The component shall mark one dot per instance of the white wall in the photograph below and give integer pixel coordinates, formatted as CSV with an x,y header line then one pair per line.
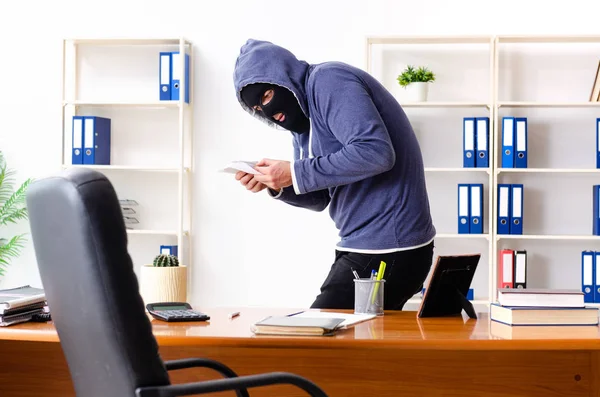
x,y
248,250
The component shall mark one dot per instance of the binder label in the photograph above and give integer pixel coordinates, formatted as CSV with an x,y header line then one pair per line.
x,y
517,201
164,71
503,212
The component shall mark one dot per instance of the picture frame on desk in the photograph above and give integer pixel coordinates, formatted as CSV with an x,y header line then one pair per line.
x,y
449,286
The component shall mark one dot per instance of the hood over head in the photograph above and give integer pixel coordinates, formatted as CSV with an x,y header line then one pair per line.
x,y
264,62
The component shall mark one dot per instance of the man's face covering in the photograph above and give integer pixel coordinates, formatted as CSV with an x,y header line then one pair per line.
x,y
277,104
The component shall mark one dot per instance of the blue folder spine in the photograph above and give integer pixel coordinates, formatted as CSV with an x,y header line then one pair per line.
x,y
598,143
483,141
96,140
469,142
588,276
476,213
176,80
504,208
165,75
77,151
508,142
521,145
596,210
516,211
464,208
169,250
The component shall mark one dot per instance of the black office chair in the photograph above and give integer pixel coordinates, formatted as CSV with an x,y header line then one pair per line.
x,y
80,244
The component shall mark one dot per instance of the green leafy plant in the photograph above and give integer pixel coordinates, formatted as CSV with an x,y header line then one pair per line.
x,y
165,260
12,210
415,75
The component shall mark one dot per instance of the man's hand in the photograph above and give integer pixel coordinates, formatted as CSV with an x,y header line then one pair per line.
x,y
276,174
249,181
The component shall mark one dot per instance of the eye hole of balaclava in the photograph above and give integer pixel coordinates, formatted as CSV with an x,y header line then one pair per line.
x,y
280,106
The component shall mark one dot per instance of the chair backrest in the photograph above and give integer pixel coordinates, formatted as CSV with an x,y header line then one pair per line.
x,y
80,243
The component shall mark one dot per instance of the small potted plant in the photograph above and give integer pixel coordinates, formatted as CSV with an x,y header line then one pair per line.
x,y
164,280
415,81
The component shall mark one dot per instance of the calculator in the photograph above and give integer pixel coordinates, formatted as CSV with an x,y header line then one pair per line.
x,y
175,311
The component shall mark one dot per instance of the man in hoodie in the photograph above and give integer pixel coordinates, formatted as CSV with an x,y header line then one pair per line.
x,y
354,152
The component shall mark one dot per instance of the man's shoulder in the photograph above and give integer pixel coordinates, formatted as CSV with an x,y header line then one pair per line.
x,y
333,70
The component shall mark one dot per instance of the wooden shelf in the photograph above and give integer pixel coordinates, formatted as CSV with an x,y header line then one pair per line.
x,y
463,236
446,104
564,237
535,104
129,41
458,169
548,170
126,168
137,104
429,40
553,39
155,232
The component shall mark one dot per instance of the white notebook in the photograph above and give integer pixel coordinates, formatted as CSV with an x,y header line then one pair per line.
x,y
245,166
349,318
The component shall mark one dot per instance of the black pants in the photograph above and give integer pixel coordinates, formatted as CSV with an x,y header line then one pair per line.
x,y
405,274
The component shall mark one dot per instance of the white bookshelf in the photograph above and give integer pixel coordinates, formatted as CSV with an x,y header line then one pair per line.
x,y
151,140
528,85
454,109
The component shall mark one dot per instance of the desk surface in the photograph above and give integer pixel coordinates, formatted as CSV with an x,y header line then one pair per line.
x,y
394,329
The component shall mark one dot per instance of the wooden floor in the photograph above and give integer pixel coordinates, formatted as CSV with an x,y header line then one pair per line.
x,y
394,355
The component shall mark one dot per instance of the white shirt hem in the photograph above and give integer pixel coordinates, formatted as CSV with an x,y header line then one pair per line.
x,y
381,251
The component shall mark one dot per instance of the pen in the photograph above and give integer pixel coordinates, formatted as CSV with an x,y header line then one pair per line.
x,y
233,315
379,277
355,274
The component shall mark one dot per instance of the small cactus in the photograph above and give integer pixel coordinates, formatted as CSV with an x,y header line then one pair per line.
x,y
165,260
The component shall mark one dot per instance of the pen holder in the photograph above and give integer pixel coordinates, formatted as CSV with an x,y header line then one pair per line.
x,y
368,296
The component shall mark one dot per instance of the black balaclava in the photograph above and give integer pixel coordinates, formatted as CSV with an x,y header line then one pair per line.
x,y
283,100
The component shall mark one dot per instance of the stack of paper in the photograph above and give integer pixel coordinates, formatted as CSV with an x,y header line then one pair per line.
x,y
244,166
349,319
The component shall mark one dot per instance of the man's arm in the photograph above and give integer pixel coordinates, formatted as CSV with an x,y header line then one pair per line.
x,y
315,201
351,115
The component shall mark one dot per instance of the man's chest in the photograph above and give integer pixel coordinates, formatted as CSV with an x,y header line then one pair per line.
x,y
318,142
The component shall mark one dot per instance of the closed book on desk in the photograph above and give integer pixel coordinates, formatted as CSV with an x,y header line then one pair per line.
x,y
292,325
544,315
504,331
19,317
535,297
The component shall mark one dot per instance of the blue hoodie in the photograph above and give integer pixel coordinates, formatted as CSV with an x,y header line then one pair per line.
x,y
361,157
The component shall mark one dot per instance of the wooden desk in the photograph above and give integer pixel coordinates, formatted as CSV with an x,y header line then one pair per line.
x,y
393,355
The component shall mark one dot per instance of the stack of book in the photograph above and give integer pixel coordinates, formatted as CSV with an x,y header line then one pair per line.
x,y
18,305
542,307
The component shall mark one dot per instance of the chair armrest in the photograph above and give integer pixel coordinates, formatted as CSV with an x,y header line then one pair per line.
x,y
206,363
236,383
173,365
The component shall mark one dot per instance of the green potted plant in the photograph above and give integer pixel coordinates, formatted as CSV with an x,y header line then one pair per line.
x,y
164,280
12,210
415,81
